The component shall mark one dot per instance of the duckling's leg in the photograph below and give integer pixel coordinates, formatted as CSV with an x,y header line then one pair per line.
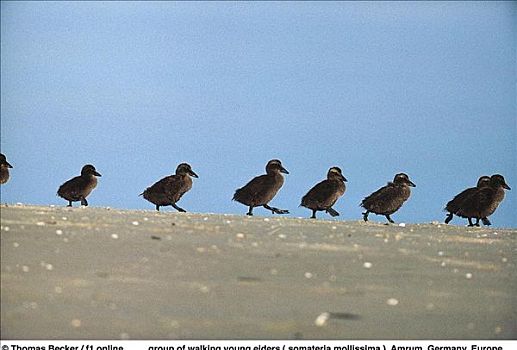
x,y
69,204
250,211
181,210
477,222
84,202
470,222
157,207
276,210
313,214
332,212
389,219
449,217
365,215
486,222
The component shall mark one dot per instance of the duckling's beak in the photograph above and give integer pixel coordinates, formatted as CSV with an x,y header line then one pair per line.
x,y
506,186
283,170
193,174
411,184
344,178
96,173
8,165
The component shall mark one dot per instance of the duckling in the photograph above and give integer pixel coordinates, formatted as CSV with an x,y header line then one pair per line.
x,y
261,189
4,169
325,194
78,188
484,201
170,189
388,199
454,205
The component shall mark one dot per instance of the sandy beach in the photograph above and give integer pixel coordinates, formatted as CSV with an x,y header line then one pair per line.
x,y
101,273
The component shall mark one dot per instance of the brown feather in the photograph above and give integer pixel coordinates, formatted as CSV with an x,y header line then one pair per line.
x,y
324,194
454,204
260,190
168,190
387,199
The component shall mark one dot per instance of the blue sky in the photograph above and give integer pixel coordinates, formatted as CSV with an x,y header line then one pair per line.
x,y
426,88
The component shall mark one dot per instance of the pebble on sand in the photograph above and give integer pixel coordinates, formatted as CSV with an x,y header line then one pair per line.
x,y
367,265
76,323
322,319
392,301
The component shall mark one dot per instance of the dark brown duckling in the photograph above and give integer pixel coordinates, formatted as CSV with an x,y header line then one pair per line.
x,y
170,189
261,189
484,201
4,169
325,194
78,188
454,205
388,199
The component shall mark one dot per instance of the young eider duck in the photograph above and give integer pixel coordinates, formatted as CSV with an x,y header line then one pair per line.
x,y
454,205
170,189
78,188
484,201
388,199
325,194
4,169
261,189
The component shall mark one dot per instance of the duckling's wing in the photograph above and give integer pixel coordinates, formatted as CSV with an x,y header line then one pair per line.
x,y
454,204
72,188
166,185
478,200
320,194
381,198
255,188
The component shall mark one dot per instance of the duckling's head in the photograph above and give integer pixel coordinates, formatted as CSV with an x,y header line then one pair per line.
x,y
185,169
497,180
4,162
275,166
335,173
89,170
483,181
403,179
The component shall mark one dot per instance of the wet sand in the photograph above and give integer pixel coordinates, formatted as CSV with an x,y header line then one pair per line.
x,y
100,273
